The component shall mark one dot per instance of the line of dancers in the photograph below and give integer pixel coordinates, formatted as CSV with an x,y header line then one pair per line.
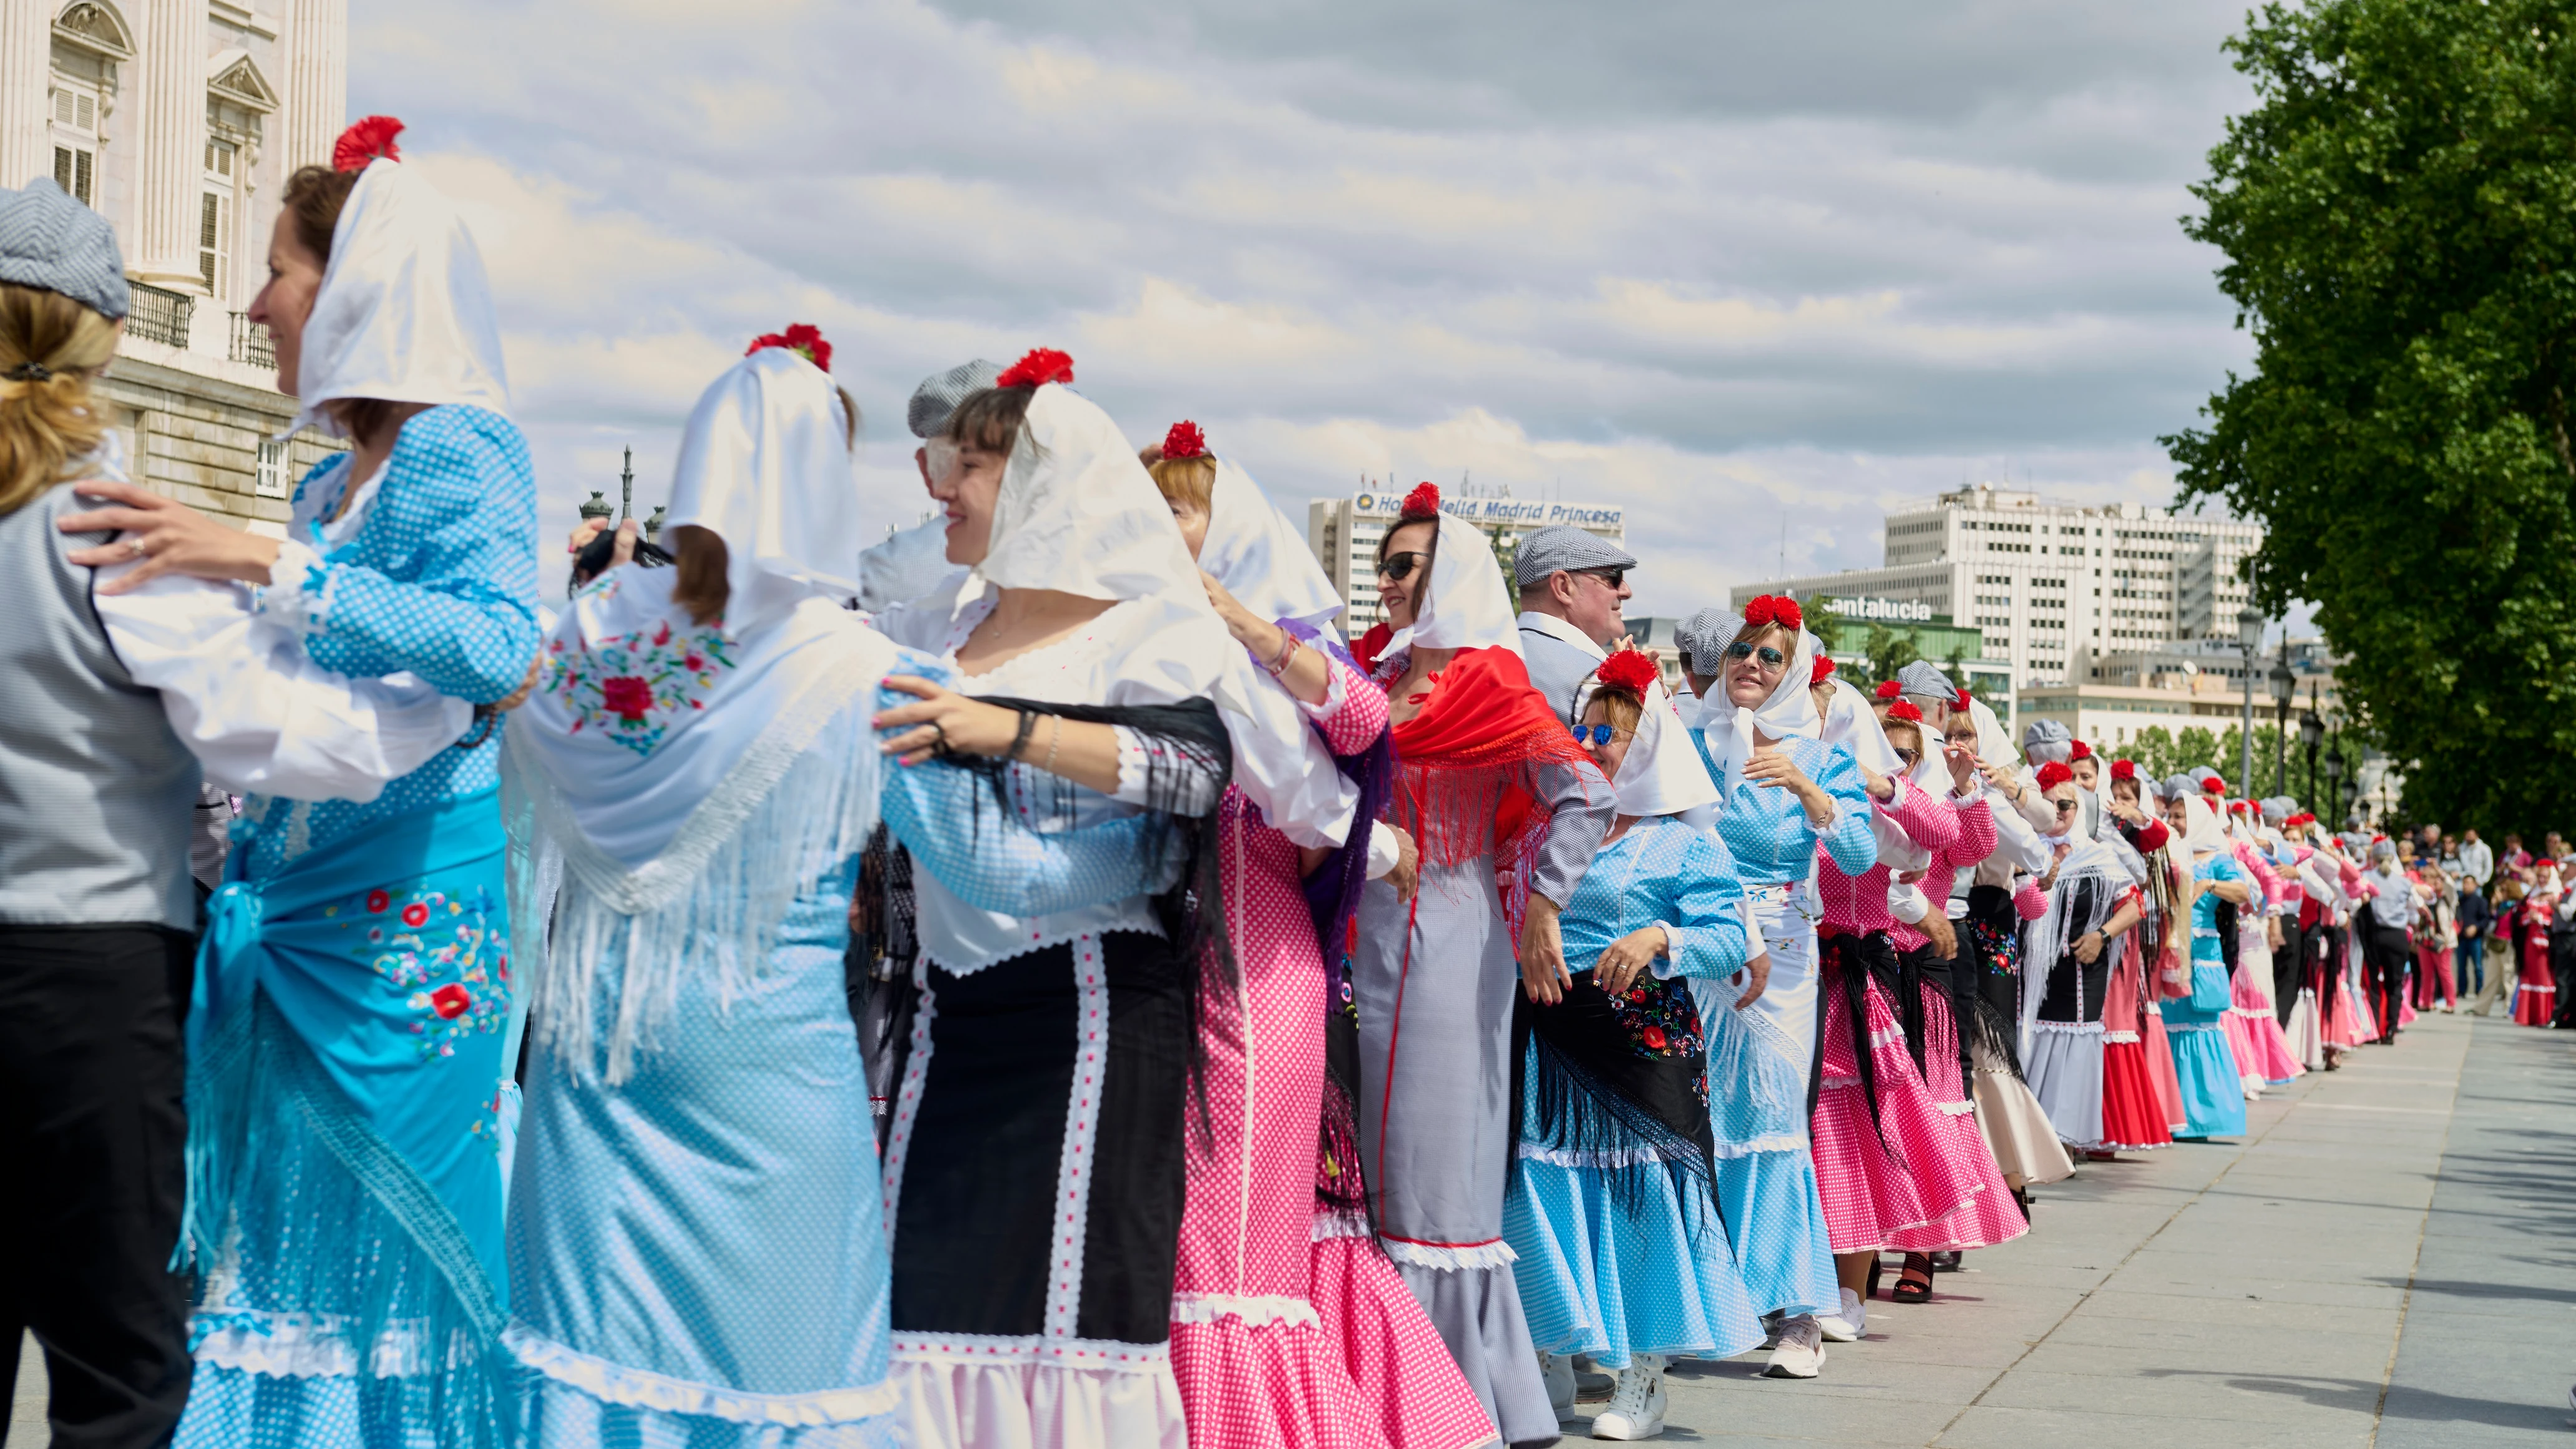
x,y
1029,983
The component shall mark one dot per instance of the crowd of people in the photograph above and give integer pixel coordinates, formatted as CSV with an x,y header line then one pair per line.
x,y
1033,981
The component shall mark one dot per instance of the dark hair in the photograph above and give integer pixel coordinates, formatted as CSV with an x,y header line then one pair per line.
x,y
990,421
315,197
1431,556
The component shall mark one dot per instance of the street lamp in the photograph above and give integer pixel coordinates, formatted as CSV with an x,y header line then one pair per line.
x,y
2311,731
2249,636
2285,687
2335,801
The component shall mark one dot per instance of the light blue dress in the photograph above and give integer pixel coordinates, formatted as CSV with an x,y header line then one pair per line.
x,y
1621,1248
2213,1095
347,1042
1766,1165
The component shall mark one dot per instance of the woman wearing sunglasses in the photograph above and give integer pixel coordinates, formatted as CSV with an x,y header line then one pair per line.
x,y
2093,900
1783,792
1487,782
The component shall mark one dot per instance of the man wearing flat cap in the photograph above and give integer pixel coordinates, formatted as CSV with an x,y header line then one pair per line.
x,y
1572,584
1931,690
911,563
1701,640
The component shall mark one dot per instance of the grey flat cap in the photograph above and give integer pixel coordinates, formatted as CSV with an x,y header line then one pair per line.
x,y
2279,808
1921,677
2046,739
1563,548
1704,636
941,392
2202,774
2181,787
51,242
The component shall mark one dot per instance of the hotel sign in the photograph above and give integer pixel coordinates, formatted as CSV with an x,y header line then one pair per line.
x,y
1522,512
1902,611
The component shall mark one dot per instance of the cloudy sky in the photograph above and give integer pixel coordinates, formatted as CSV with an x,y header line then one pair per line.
x,y
1750,270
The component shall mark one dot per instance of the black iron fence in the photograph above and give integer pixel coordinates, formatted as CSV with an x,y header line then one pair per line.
x,y
156,315
251,342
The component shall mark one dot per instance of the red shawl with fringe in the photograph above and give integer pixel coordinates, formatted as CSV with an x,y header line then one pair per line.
x,y
1458,768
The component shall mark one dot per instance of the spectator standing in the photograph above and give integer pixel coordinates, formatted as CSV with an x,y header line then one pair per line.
x,y
2477,859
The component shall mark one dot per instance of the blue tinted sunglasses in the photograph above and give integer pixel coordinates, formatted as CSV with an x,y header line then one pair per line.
x,y
1599,734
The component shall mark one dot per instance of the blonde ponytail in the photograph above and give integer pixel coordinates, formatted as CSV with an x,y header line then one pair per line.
x,y
51,349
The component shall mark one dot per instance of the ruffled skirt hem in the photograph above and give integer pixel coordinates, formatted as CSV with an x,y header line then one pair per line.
x,y
1585,1242
2025,1146
1408,1385
1017,1402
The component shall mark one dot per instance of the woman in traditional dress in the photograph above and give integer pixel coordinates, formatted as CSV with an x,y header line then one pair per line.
x,y
698,770
1886,1159
1034,1163
1783,792
2092,901
2535,992
1613,1203
2213,1095
351,1030
2134,1113
1990,1216
1491,788
2254,1006
1261,1363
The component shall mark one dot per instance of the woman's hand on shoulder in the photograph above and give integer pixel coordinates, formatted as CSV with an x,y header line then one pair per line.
x,y
965,724
168,536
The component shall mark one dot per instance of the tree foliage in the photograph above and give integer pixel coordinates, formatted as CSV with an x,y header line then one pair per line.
x,y
2398,215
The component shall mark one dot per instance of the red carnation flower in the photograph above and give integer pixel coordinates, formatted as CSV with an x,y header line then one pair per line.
x,y
802,338
1040,366
1960,700
364,142
1890,689
1652,1036
2213,786
415,915
451,1001
627,697
1822,670
1767,609
1422,502
378,901
2124,769
1629,670
1185,441
2054,774
1905,709
2079,751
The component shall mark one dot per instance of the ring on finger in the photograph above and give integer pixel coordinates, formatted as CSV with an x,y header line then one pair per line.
x,y
939,745
134,548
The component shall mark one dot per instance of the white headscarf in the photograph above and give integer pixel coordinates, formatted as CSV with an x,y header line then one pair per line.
x,y
1466,607
1662,774
404,312
1789,711
2203,832
765,465
1078,514
1260,556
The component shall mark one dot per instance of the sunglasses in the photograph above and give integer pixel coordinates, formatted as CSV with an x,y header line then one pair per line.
x,y
1741,650
1600,734
1399,566
1611,577
2065,807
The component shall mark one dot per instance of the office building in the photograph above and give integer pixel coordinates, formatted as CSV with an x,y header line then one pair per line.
x,y
1344,533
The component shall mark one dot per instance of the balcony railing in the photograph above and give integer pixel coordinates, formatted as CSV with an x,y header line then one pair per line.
x,y
156,315
251,342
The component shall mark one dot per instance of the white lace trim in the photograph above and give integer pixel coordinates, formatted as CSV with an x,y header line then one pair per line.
x,y
1081,1136
1254,1311
1776,1142
1829,1084
794,805
1449,1258
907,1097
1566,1157
317,1346
1334,1223
615,1383
2120,1038
1082,923
2068,1028
1077,1353
1956,1109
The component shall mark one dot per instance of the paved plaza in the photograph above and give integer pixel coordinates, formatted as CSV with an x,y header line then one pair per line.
x,y
2388,1259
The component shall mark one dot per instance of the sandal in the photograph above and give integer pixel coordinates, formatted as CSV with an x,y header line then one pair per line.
x,y
1914,1285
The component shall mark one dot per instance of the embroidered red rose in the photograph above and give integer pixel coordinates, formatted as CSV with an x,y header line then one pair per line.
x,y
415,915
451,1001
377,901
1652,1036
696,663
628,697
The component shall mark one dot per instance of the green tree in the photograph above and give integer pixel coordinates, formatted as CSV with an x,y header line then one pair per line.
x,y
1889,650
1507,547
2395,218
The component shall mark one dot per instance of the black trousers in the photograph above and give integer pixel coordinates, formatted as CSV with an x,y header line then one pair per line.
x,y
92,1129
2289,970
2385,957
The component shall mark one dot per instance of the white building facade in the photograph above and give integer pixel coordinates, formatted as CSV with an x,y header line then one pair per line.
x,y
179,121
1344,533
2053,585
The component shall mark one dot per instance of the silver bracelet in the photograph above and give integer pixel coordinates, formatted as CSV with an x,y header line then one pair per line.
x,y
1054,739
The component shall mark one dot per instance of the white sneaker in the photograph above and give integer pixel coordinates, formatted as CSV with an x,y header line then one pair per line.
x,y
1849,1325
1637,1402
1558,1370
1801,1351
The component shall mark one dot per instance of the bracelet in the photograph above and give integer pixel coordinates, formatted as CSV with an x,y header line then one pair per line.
x,y
1053,740
1287,655
1020,740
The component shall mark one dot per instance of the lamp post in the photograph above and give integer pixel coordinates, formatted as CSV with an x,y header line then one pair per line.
x,y
2249,635
2285,687
2311,731
2335,786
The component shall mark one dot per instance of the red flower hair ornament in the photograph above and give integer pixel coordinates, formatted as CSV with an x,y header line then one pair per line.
x,y
1185,441
1821,671
1960,700
1628,670
1905,709
1768,609
802,338
1036,368
364,142
2124,769
2213,786
1890,689
2079,751
1422,502
2054,774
